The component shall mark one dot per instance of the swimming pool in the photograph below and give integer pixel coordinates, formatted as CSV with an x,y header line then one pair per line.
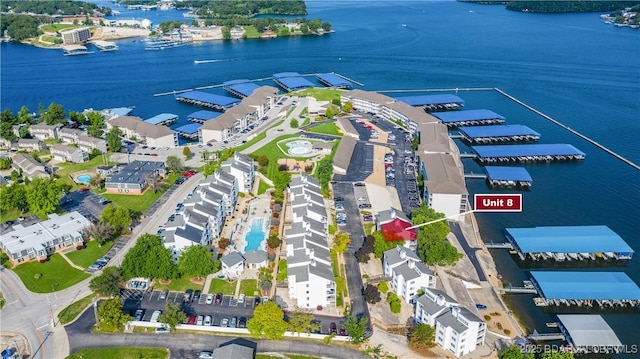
x,y
85,178
256,235
299,148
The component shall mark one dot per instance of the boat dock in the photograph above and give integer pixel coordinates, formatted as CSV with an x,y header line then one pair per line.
x,y
527,153
432,103
469,118
72,50
604,289
202,116
498,134
241,88
335,81
162,119
190,131
291,81
587,333
209,100
105,45
551,119
567,243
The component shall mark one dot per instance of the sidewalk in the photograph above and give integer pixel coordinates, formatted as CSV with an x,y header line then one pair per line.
x,y
70,262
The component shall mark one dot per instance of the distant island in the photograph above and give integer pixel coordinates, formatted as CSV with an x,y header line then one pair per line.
x,y
560,6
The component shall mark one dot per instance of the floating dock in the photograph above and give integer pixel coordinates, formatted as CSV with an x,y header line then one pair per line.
x,y
587,333
335,81
568,243
604,289
206,99
189,131
291,81
498,134
202,116
432,103
241,88
162,119
105,45
72,50
469,118
527,153
503,176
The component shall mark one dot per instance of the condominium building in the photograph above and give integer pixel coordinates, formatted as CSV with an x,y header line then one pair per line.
x,y
43,131
143,132
407,272
135,177
242,167
75,36
30,144
64,153
29,167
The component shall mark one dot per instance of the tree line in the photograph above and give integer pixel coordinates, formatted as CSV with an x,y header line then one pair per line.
x,y
58,7
231,8
547,6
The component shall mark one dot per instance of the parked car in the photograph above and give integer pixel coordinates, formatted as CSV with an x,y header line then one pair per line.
x,y
224,322
205,354
338,199
241,298
333,328
191,320
200,320
162,330
219,298
187,295
234,322
164,294
481,306
362,199
364,205
207,320
210,298
196,296
155,316
343,331
242,322
359,184
138,315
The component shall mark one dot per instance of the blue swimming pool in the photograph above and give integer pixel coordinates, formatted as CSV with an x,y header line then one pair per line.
x,y
256,235
84,178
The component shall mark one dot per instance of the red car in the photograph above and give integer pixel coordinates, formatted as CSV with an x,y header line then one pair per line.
x,y
187,174
192,320
84,189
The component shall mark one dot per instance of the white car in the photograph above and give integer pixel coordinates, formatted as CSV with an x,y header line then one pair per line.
x,y
155,316
207,320
241,299
362,199
209,298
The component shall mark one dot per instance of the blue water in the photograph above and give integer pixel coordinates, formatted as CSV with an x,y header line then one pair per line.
x,y
255,237
84,178
570,66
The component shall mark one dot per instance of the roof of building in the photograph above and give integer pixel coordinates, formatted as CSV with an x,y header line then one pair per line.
x,y
208,98
27,163
333,80
398,230
467,115
347,127
138,125
232,259
204,115
293,83
301,273
321,270
189,128
568,239
64,148
163,117
434,137
190,233
448,319
255,256
586,285
427,100
136,172
588,330
370,96
497,131
29,141
507,173
395,255
343,155
415,114
233,351
535,149
242,87
443,175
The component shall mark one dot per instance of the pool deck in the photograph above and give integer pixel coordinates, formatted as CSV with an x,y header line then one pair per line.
x,y
236,230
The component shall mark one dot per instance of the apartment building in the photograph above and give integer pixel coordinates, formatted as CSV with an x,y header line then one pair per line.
x,y
407,272
29,167
143,132
43,131
135,177
64,153
242,167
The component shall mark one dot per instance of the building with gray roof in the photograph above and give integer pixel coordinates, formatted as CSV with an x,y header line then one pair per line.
x,y
64,153
407,272
444,185
151,135
135,177
256,258
232,265
29,167
242,167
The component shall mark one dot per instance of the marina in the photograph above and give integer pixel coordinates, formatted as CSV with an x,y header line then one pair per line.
x,y
105,45
206,99
498,134
586,333
73,50
202,116
469,118
432,103
189,131
291,81
333,80
567,243
503,176
527,153
241,88
585,289
165,119
161,44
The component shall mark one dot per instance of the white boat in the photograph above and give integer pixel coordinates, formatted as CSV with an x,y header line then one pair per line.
x,y
573,256
404,25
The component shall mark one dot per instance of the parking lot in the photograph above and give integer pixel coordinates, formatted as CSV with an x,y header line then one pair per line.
x,y
86,202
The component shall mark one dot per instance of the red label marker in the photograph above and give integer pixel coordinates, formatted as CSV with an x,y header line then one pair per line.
x,y
497,203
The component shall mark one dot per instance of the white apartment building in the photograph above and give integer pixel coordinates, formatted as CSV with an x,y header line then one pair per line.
x,y
75,36
457,329
242,167
444,187
144,132
64,153
407,272
43,131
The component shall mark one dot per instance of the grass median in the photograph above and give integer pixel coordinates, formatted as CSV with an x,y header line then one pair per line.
x,y
89,255
121,353
70,313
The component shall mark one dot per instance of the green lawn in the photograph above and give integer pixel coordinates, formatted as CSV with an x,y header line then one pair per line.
x,y
121,353
320,94
222,286
57,27
56,274
263,187
67,168
251,32
249,287
306,122
86,257
178,285
251,142
68,314
140,203
326,128
274,152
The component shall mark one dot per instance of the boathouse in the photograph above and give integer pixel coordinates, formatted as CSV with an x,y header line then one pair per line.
x,y
333,80
469,118
241,88
291,81
162,119
206,99
431,103
586,332
189,131
527,153
503,176
568,243
498,133
202,116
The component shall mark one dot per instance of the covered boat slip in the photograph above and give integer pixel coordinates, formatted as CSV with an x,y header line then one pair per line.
x,y
241,88
503,176
333,80
202,116
431,103
527,153
584,331
498,133
469,118
568,242
162,119
206,99
189,131
606,289
291,81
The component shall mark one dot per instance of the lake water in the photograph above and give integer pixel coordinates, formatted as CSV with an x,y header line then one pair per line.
x,y
570,66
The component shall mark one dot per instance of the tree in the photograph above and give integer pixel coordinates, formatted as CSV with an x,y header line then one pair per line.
x,y
172,315
96,124
100,231
14,196
5,163
93,154
554,354
371,294
326,26
7,121
149,259
108,283
383,287
25,116
273,241
110,315
356,328
114,139
300,322
43,195
95,181
347,107
118,217
54,114
341,242
513,352
195,261
421,338
394,302
223,243
381,244
267,322
174,164
294,123
186,151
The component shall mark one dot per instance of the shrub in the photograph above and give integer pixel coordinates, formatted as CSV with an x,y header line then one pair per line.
x,y
37,275
365,276
275,222
383,287
507,332
283,168
499,325
495,314
487,317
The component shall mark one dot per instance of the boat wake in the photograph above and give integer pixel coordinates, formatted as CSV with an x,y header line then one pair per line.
x,y
209,61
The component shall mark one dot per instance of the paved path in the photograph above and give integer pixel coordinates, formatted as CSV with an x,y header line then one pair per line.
x,y
64,256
